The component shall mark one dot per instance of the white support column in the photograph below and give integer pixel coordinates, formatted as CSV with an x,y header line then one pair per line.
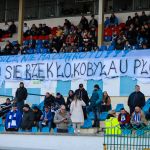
x,y
100,22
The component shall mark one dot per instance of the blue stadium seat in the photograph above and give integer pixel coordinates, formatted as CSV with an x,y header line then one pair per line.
x,y
110,48
146,108
30,51
39,42
87,124
1,122
70,130
44,50
148,101
126,132
140,132
34,129
103,116
103,48
55,130
119,107
41,105
91,116
2,128
38,50
45,130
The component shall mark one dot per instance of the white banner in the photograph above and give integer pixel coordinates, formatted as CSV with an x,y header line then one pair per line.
x,y
87,68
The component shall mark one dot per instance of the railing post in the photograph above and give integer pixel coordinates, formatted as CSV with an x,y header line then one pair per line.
x,y
105,147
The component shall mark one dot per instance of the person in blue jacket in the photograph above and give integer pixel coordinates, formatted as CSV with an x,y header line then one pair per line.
x,y
46,119
95,104
13,119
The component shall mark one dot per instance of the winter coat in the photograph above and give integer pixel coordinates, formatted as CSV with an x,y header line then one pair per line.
x,y
37,115
83,95
96,97
49,101
21,94
136,99
124,118
68,103
58,120
77,111
27,120
47,116
13,120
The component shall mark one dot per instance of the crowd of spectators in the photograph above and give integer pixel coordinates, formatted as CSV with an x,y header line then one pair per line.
x,y
59,114
134,34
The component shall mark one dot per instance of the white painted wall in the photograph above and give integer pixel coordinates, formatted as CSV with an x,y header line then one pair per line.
x,y
50,142
52,22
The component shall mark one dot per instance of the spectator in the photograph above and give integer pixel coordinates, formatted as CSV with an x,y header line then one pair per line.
x,y
21,95
143,18
45,30
27,118
46,119
84,25
8,48
67,24
83,95
5,28
112,124
129,21
124,118
106,102
12,28
138,118
119,45
37,115
136,98
107,22
13,119
49,100
95,104
59,100
25,29
113,20
5,108
62,120
93,22
69,99
76,111
15,49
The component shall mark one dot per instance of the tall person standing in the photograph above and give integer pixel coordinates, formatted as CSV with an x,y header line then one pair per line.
x,y
83,95
21,95
136,98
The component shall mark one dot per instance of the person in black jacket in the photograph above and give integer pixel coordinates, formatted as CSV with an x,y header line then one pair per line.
x,y
49,100
5,108
93,22
59,100
136,98
70,98
21,95
27,118
83,95
37,115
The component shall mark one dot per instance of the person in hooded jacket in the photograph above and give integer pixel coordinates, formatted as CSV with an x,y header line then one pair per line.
x,y
21,95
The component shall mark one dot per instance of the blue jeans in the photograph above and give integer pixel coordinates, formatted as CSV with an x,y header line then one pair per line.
x,y
47,125
20,105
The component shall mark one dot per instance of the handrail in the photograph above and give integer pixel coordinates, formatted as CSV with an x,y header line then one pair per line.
x,y
35,94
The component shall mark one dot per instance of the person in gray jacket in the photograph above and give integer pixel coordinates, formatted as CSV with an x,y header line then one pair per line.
x,y
62,120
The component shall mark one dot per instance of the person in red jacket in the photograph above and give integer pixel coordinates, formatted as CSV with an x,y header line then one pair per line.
x,y
124,118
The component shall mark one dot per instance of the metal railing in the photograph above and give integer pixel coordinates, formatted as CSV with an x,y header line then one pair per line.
x,y
116,138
